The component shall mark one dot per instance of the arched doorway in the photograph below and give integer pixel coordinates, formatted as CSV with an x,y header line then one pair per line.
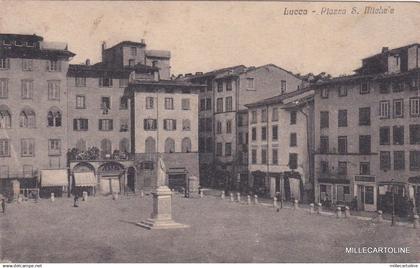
x,y
84,179
169,145
111,176
131,179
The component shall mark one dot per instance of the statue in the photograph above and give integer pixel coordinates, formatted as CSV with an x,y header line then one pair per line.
x,y
161,173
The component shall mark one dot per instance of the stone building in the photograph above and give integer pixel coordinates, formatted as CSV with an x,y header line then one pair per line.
x,y
367,129
280,145
32,136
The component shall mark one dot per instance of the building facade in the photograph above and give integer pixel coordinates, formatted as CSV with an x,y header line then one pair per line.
x,y
32,136
280,145
367,129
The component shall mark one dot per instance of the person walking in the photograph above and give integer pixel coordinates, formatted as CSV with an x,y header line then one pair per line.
x,y
76,201
3,205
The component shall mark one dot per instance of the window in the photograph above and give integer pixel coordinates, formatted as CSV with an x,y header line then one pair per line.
x,y
274,132
201,145
398,135
342,91
414,160
4,63
250,83
324,145
27,119
228,104
5,117
186,145
27,89
324,93
264,115
219,149
293,140
275,156
28,171
283,86
240,138
54,118
254,134
105,82
369,195
124,125
229,85
54,147
219,86
106,148
4,88
150,124
81,145
415,106
53,66
254,117
201,125
209,124
4,147
364,116
186,125
80,81
123,103
80,124
105,104
324,119
229,126
342,144
293,161
169,145
27,64
364,87
228,149
263,133
263,156
414,134
254,156
364,168
399,160
4,171
324,167
54,90
149,102
384,136
185,103
169,124
275,115
293,117
219,127
384,88
124,145
209,145
398,108
384,110
397,86
219,105
105,124
80,102
27,147
133,51
208,104
202,104
385,160
169,103
342,168
131,62
364,144
342,118
150,145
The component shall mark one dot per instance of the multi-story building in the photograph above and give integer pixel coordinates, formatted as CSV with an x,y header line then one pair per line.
x,y
232,91
164,123
33,108
280,145
367,129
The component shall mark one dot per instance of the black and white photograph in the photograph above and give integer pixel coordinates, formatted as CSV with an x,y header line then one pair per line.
x,y
185,132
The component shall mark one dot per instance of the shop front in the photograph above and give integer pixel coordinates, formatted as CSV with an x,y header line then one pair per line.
x,y
53,181
333,191
366,193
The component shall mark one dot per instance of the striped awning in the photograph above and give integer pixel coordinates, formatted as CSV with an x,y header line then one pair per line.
x,y
54,177
84,179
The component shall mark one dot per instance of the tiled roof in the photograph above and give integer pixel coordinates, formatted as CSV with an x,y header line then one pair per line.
x,y
100,69
392,51
127,43
34,53
26,37
279,98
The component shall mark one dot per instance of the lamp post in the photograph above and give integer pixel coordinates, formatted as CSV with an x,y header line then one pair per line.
x,y
393,203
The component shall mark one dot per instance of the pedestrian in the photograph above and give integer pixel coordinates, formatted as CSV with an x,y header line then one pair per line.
x,y
3,205
76,199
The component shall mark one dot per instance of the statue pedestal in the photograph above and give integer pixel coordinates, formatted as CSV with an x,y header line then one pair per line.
x,y
161,217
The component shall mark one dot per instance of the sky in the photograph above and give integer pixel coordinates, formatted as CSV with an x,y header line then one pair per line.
x,y
208,35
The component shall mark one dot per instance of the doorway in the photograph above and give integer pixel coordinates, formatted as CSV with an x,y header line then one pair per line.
x,y
131,178
366,197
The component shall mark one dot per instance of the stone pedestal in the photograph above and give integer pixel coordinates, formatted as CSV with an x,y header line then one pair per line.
x,y
238,197
52,198
161,217
85,196
415,221
248,199
296,204
380,216
311,208
347,212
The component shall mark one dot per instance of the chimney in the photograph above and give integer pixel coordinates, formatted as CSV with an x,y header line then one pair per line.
x,y
156,76
87,62
188,74
198,73
385,49
103,46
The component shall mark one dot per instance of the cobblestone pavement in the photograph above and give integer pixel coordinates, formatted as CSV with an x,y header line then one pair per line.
x,y
104,230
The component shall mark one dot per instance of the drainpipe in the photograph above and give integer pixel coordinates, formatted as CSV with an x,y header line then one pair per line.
x,y
266,152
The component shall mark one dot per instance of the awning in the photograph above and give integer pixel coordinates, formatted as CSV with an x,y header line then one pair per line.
x,y
54,177
84,179
177,170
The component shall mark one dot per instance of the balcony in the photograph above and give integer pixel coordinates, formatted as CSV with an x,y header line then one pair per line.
x,y
94,154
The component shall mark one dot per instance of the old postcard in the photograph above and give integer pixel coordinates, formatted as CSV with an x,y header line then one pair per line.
x,y
209,132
